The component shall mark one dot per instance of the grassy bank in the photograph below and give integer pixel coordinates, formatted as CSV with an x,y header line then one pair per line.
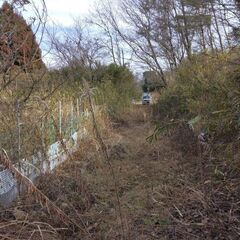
x,y
200,115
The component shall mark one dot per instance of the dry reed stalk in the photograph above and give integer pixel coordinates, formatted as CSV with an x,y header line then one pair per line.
x,y
106,155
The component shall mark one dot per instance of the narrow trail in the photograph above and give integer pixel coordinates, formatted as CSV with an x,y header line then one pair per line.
x,y
143,170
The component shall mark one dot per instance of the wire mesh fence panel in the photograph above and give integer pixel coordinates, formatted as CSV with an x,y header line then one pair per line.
x,y
8,188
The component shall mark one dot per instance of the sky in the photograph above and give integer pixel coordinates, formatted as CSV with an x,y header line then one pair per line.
x,y
63,11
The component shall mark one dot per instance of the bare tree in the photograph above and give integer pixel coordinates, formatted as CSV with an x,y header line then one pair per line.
x,y
160,34
78,50
109,37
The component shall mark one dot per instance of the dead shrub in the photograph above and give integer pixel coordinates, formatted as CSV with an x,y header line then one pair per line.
x,y
184,139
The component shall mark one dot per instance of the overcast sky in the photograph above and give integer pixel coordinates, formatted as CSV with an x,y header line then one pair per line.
x,y
63,11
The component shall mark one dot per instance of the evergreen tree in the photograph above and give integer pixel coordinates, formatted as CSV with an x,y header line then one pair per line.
x,y
18,45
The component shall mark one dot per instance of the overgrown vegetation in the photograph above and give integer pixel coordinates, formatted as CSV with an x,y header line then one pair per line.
x,y
33,97
116,90
205,94
199,113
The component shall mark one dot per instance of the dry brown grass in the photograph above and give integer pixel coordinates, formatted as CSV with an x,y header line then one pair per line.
x,y
162,193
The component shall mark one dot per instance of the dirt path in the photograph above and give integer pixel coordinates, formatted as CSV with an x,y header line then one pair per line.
x,y
142,170
145,174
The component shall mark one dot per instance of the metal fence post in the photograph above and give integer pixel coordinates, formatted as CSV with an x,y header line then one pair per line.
x,y
60,118
18,130
19,141
78,112
72,116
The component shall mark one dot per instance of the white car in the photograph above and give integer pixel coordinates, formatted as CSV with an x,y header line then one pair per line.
x,y
146,98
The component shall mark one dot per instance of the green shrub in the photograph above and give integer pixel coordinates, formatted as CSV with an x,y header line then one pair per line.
x,y
114,85
116,90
